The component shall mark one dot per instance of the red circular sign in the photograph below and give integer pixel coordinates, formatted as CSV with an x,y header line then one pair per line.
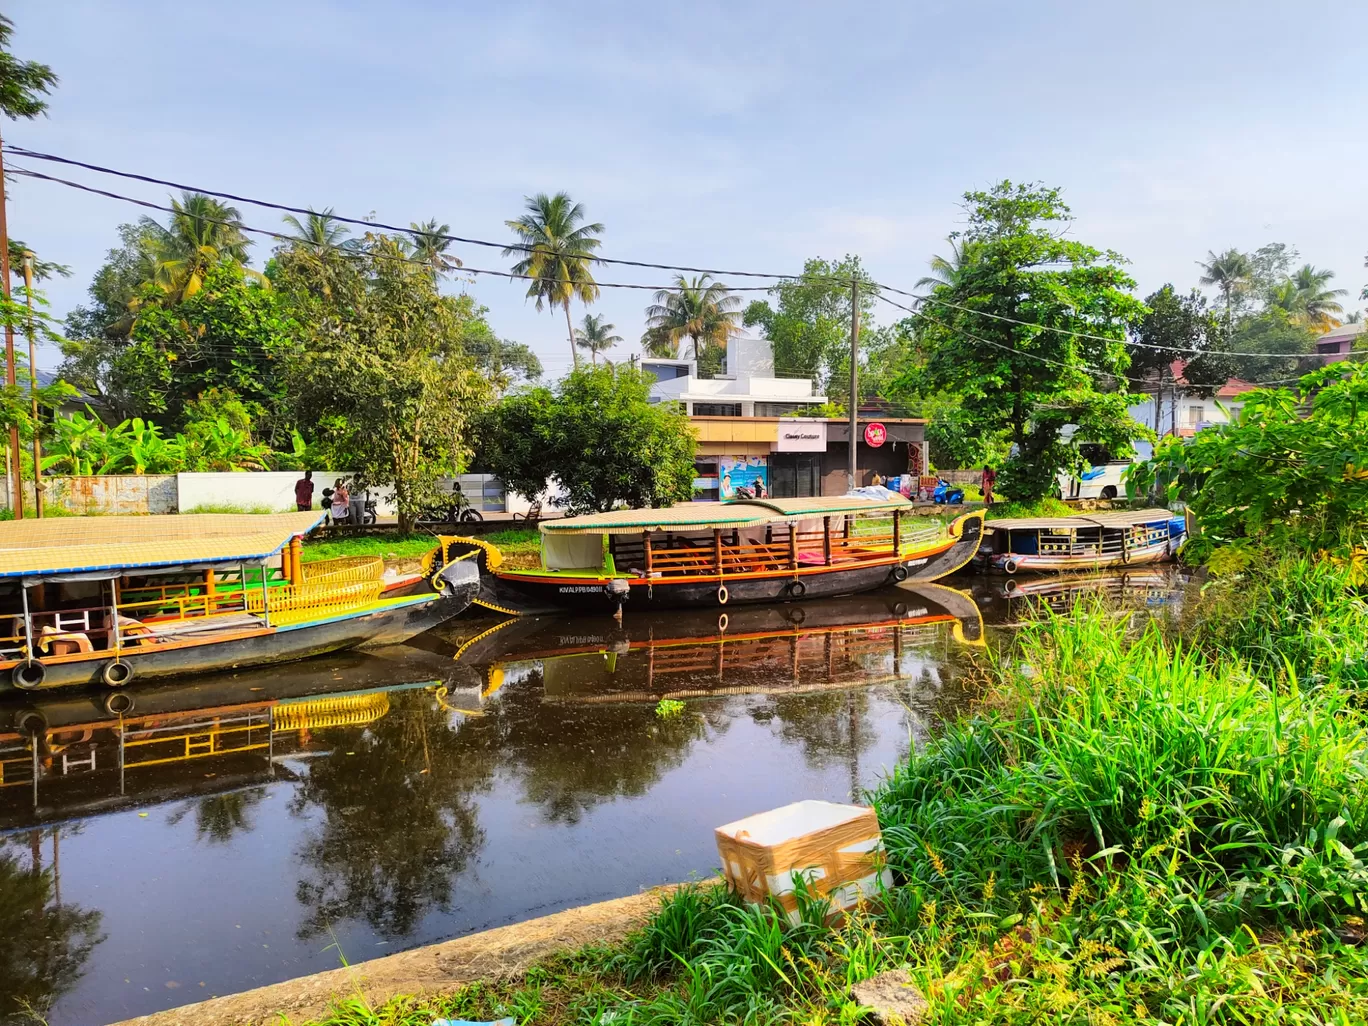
x,y
875,435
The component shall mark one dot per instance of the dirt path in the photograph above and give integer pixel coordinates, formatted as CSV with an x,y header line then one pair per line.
x,y
505,951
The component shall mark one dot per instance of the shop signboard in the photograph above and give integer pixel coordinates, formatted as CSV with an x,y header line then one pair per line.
x,y
801,435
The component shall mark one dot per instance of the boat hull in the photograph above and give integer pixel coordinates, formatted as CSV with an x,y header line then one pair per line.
x,y
1012,562
396,621
523,593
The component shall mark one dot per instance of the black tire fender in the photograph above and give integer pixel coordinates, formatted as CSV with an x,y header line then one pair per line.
x,y
899,574
28,675
116,673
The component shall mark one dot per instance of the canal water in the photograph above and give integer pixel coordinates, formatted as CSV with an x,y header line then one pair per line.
x,y
166,844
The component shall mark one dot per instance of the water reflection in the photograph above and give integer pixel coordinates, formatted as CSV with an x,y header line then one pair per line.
x,y
44,944
398,821
410,795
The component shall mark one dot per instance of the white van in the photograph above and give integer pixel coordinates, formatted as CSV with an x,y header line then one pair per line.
x,y
1102,480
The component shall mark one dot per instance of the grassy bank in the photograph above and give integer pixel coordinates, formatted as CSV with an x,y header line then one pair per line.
x,y
1136,822
516,543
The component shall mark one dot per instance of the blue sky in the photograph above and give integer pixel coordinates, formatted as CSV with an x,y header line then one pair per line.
x,y
746,136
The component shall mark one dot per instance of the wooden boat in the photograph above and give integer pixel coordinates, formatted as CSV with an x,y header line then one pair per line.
x,y
854,641
1090,541
710,554
106,599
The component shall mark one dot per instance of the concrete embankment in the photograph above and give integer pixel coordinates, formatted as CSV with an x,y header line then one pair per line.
x,y
492,954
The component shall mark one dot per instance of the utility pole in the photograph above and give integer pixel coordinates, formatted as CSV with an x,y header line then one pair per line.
x,y
17,480
854,379
33,397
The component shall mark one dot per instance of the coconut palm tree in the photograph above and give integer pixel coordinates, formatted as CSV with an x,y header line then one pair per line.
x,y
1318,304
203,231
947,270
320,231
1229,272
430,246
699,309
596,336
555,250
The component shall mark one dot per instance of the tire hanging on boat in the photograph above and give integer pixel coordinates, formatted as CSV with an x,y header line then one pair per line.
x,y
28,675
797,589
1009,565
116,673
722,595
899,574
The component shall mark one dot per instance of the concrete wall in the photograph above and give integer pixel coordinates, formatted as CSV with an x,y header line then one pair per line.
x,y
108,493
273,490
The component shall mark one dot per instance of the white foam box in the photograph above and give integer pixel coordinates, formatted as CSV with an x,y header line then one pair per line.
x,y
837,849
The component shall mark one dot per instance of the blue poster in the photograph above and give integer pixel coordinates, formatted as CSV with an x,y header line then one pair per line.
x,y
741,477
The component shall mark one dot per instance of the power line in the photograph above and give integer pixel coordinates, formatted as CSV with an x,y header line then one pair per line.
x,y
362,222
877,287
344,251
1056,363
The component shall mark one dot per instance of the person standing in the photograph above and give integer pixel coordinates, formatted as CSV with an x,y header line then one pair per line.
x,y
341,502
986,482
304,492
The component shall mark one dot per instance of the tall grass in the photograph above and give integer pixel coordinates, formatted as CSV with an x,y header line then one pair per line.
x,y
1132,825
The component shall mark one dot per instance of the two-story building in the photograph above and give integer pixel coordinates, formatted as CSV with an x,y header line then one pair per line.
x,y
1175,408
751,434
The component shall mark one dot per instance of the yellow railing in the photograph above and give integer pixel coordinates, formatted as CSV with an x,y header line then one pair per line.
x,y
289,603
346,570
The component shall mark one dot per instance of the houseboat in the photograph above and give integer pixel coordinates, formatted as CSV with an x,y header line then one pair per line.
x,y
87,600
711,554
1090,541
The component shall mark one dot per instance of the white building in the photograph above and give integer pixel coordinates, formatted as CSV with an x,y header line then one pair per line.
x,y
747,386
1178,410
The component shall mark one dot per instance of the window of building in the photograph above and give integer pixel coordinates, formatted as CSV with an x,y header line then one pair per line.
x,y
779,409
717,409
1195,415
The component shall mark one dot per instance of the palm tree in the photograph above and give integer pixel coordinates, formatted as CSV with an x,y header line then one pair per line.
x,y
556,249
320,231
596,336
203,231
1318,303
430,246
947,271
698,309
1229,272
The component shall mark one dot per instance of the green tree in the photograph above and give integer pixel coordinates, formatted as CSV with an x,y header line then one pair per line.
x,y
42,269
1032,336
946,270
203,233
430,246
1272,331
596,336
381,368
1290,470
700,309
556,250
1179,328
1317,303
1230,273
807,320
22,83
320,230
598,437
504,362
231,333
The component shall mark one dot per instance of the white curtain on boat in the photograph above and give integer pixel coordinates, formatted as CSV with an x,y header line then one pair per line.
x,y
572,551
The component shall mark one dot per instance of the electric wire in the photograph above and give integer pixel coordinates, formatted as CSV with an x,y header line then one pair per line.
x,y
877,287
